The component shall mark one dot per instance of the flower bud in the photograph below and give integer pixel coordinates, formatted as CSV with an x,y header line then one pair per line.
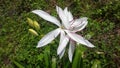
x,y
30,22
36,25
33,32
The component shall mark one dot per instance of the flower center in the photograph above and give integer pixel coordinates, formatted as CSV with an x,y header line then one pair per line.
x,y
62,27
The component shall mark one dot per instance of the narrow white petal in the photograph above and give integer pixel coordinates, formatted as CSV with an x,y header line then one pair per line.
x,y
89,44
71,50
48,38
81,27
61,54
47,17
62,45
63,17
66,11
57,8
79,24
79,21
79,39
62,35
76,37
68,14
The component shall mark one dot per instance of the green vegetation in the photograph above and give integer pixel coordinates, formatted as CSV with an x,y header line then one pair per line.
x,y
18,45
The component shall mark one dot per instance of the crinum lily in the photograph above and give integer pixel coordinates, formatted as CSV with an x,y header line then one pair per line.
x,y
67,30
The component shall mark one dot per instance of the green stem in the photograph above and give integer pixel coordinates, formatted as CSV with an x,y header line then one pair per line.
x,y
77,62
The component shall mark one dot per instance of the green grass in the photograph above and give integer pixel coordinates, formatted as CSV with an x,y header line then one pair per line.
x,y
18,46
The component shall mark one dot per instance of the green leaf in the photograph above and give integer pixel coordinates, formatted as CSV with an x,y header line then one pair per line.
x,y
78,61
53,62
18,64
47,56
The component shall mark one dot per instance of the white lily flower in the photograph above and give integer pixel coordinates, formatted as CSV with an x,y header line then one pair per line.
x,y
67,30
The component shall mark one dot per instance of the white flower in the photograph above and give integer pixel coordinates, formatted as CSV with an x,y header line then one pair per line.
x,y
67,30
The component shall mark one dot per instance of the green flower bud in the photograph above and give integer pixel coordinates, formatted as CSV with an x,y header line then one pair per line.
x,y
33,32
36,25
